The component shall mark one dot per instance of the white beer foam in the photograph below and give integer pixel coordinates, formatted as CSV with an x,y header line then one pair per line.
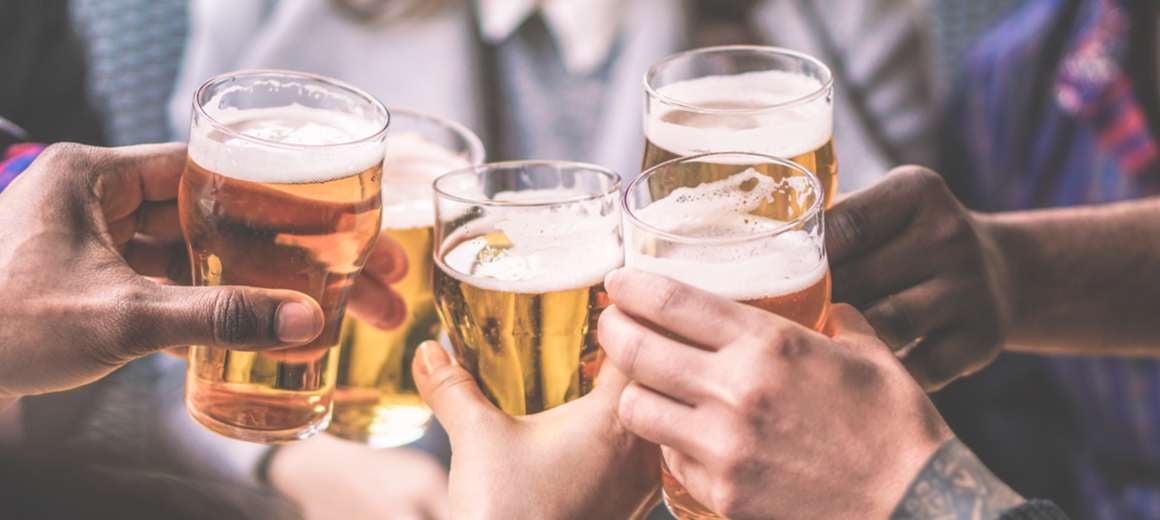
x,y
746,270
267,162
783,132
536,251
412,164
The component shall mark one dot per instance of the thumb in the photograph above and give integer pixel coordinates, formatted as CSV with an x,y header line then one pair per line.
x,y
449,390
847,326
237,317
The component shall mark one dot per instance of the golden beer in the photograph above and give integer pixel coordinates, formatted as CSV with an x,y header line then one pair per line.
x,y
287,197
376,400
745,226
519,278
742,98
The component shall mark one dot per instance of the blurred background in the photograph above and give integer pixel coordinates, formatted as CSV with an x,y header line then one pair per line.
x,y
562,80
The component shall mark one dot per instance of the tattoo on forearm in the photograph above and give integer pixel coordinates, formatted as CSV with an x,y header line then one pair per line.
x,y
954,484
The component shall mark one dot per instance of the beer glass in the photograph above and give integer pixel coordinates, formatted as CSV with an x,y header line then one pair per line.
x,y
280,190
742,225
521,253
376,401
742,98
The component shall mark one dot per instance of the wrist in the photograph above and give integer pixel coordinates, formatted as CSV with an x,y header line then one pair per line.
x,y
954,484
1006,259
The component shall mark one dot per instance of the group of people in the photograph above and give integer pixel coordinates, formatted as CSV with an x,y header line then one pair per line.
x,y
758,417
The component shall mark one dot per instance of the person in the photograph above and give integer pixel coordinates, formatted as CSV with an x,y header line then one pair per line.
x,y
1057,107
92,253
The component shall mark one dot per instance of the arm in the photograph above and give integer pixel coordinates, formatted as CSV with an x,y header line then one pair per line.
x,y
949,288
1085,279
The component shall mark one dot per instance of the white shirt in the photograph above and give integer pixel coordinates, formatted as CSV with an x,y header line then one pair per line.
x,y
584,30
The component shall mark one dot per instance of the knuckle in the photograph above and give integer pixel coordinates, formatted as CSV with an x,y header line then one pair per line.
x,y
128,332
848,225
64,153
235,320
893,322
669,296
925,179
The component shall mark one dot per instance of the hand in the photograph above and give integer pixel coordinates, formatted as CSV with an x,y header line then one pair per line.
x,y
372,299
84,230
333,478
573,461
926,272
789,423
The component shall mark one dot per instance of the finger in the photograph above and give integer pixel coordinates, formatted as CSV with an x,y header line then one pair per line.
x,y
847,323
159,220
946,356
701,317
243,318
666,366
895,266
121,231
149,172
658,419
849,328
871,217
903,317
387,263
690,473
155,258
178,352
376,304
450,391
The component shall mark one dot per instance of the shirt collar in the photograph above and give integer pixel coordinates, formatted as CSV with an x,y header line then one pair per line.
x,y
584,30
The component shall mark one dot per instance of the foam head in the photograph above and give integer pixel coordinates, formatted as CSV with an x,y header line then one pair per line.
x,y
746,258
412,164
536,251
285,145
786,131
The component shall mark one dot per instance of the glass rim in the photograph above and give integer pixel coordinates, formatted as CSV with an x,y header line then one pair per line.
x,y
813,211
613,185
474,144
654,69
275,73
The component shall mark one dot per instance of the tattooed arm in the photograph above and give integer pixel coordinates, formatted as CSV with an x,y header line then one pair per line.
x,y
954,484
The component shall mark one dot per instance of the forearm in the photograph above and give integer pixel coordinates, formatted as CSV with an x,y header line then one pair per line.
x,y
1084,280
954,484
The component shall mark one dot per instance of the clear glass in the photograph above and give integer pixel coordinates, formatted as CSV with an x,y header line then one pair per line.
x,y
376,401
281,190
746,226
742,98
521,253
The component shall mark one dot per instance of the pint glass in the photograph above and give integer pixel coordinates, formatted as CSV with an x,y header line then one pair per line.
x,y
280,190
376,401
745,98
521,253
746,226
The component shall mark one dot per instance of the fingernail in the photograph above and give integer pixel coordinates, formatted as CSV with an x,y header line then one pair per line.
x,y
434,357
296,322
611,274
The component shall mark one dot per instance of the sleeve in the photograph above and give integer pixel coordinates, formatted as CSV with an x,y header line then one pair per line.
x,y
15,159
1034,510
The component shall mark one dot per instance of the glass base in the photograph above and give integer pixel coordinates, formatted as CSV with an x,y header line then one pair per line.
x,y
389,426
259,436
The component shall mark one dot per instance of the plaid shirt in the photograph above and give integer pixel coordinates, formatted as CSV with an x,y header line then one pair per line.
x,y
1049,116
